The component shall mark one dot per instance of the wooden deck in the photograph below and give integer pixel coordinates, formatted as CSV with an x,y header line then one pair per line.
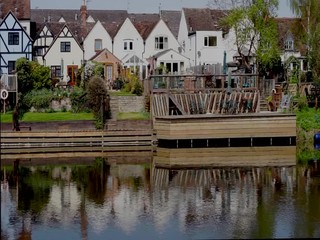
x,y
208,126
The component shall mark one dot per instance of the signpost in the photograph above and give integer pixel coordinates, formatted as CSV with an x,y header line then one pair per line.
x,y
4,95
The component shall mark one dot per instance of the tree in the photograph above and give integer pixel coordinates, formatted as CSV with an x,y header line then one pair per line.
x,y
40,76
308,31
255,29
31,75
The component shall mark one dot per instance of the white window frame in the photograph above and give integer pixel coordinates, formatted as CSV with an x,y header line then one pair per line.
x,y
206,41
128,45
289,44
98,44
161,42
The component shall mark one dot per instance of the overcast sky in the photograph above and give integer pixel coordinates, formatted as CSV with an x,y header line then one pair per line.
x,y
138,6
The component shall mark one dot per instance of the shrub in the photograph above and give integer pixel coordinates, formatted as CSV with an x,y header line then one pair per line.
x,y
98,100
39,99
78,98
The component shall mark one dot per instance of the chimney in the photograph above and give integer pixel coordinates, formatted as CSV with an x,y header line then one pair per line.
x,y
83,17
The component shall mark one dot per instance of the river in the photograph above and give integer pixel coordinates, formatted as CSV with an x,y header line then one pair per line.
x,y
115,198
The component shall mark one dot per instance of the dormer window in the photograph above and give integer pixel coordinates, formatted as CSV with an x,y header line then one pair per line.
x,y
289,43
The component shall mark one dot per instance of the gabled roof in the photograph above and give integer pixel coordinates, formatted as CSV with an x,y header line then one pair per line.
x,y
61,30
204,19
172,19
286,27
20,8
148,17
103,56
159,54
73,15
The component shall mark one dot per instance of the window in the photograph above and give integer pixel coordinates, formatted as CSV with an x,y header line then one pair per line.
x,y
128,45
55,71
11,66
161,43
65,46
288,45
97,44
210,41
13,38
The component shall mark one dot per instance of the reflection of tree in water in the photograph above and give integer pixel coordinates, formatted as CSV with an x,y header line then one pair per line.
x,y
93,179
35,187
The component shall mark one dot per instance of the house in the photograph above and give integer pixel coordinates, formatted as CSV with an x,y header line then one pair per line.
x,y
111,64
293,52
44,39
65,54
169,62
15,43
201,35
20,9
129,46
159,39
97,39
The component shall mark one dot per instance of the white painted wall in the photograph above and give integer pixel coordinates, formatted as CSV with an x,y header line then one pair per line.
x,y
174,57
208,55
54,56
161,29
128,32
97,32
183,34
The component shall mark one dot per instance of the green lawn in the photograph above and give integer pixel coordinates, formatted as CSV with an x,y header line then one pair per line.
x,y
133,116
46,117
68,116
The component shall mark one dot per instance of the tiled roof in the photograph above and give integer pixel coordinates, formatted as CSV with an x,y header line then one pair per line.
x,y
148,17
203,19
144,28
172,19
20,8
286,26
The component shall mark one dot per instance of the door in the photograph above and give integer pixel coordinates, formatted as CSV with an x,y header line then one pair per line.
x,y
72,74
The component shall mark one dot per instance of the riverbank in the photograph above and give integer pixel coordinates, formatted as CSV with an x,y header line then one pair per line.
x,y
81,125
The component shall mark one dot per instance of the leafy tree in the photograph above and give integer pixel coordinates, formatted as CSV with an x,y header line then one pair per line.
x,y
255,29
40,76
24,68
308,31
98,100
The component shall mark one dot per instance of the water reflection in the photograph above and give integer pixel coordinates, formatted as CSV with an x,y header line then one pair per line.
x,y
105,198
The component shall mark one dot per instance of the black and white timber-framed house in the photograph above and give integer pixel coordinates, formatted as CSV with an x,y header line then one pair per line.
x,y
15,41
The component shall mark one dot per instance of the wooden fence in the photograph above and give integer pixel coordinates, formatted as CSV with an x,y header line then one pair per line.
x,y
203,103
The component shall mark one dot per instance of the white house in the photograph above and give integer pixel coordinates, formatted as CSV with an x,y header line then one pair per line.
x,y
128,46
293,53
96,40
15,43
170,61
64,56
160,39
201,36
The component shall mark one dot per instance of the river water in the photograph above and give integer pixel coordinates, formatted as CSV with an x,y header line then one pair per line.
x,y
102,198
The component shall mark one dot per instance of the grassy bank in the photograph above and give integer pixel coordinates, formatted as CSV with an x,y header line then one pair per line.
x,y
68,116
308,122
47,117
